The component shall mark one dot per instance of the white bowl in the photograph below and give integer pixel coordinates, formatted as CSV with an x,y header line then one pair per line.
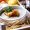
x,y
21,10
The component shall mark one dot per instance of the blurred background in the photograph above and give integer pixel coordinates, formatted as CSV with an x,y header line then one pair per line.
x,y
25,3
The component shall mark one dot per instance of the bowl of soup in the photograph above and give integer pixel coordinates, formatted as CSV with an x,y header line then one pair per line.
x,y
13,16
